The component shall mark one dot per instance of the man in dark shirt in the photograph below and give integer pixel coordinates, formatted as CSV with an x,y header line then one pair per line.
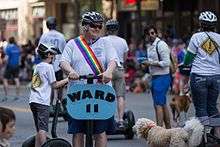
x,y
12,52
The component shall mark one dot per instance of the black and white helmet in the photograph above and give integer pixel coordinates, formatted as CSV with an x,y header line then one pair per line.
x,y
51,22
91,17
112,25
44,49
208,18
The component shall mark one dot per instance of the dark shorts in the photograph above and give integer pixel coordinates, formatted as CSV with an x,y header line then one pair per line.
x,y
99,126
41,116
11,72
59,75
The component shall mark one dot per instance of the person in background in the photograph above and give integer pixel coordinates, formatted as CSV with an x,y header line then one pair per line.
x,y
2,57
180,80
74,63
203,53
130,65
12,52
158,61
43,80
29,60
7,126
2,65
58,41
140,52
118,79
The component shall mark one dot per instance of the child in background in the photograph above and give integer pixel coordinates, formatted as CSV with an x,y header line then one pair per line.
x,y
43,81
7,126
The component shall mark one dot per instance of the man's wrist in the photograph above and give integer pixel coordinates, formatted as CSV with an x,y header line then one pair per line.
x,y
72,72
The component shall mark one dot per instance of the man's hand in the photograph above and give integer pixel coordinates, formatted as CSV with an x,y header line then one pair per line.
x,y
73,76
106,76
146,63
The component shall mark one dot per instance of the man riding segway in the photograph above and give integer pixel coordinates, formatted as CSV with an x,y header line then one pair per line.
x,y
125,119
89,54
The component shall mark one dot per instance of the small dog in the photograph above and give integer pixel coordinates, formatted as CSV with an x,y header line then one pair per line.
x,y
188,136
180,104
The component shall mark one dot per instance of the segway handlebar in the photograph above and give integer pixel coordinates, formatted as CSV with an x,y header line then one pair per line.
x,y
90,76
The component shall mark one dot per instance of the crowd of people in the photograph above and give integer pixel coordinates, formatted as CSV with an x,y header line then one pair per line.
x,y
152,65
135,76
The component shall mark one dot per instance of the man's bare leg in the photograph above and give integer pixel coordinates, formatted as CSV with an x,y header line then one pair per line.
x,y
17,84
121,108
5,86
78,140
101,140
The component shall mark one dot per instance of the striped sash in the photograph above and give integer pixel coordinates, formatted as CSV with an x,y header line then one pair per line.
x,y
88,55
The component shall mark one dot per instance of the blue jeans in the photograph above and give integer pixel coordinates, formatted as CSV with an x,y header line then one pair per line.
x,y
205,91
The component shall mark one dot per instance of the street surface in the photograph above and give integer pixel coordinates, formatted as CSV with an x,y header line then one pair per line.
x,y
140,104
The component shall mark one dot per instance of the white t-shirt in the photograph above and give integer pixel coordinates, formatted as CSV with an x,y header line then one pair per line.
x,y
206,61
102,48
42,79
120,46
57,39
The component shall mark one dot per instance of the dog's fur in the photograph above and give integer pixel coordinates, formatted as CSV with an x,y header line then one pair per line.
x,y
188,136
179,104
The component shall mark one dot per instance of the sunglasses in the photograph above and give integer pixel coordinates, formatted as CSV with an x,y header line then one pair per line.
x,y
152,33
94,26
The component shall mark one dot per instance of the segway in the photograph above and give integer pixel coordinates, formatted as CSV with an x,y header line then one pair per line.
x,y
55,141
62,110
128,122
90,102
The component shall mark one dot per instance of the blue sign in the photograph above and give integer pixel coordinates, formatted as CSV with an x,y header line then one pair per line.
x,y
91,101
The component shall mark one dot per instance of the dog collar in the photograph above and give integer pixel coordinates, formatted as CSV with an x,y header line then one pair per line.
x,y
151,125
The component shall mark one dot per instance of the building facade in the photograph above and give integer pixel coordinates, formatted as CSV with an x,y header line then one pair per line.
x,y
22,19
25,19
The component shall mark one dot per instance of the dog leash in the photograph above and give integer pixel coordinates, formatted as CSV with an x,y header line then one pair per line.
x,y
212,116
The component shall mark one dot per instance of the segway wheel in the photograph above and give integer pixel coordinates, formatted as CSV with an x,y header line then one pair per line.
x,y
129,118
56,142
30,142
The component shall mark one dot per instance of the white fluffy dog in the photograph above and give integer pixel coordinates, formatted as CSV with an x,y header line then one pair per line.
x,y
188,136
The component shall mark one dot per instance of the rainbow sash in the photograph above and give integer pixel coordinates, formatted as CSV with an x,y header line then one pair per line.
x,y
88,55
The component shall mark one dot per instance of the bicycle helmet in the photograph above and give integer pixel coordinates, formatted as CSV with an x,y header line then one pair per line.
x,y
91,17
207,18
44,49
51,22
112,25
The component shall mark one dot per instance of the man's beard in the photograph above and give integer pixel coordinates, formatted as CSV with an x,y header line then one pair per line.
x,y
152,39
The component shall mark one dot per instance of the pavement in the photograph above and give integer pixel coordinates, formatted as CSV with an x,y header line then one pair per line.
x,y
140,104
